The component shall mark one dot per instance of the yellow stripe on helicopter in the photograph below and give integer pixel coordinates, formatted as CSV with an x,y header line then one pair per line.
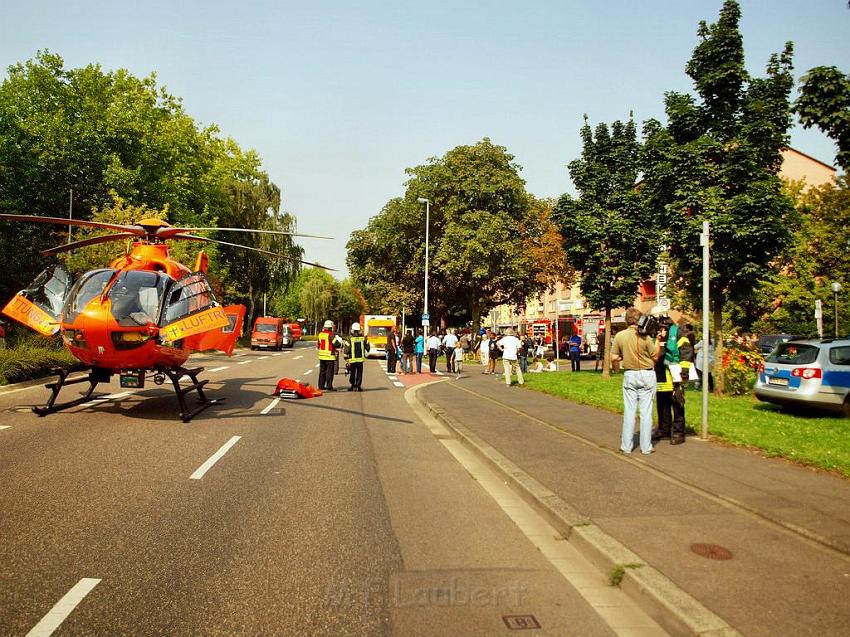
x,y
205,321
25,311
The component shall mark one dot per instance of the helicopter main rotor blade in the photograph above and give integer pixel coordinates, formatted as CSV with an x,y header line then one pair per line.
x,y
88,242
166,233
59,221
190,237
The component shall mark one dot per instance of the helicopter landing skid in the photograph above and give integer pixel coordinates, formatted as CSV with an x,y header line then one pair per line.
x,y
93,378
175,374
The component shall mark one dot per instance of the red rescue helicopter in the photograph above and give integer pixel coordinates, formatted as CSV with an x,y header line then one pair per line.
x,y
144,312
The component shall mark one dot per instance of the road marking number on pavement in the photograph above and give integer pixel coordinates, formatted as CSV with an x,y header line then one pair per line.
x,y
271,406
297,357
218,369
200,471
64,607
243,363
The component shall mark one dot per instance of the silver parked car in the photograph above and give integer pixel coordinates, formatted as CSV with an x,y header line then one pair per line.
x,y
807,372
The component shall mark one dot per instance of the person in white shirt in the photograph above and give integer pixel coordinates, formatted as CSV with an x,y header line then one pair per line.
x,y
449,342
433,351
485,352
510,344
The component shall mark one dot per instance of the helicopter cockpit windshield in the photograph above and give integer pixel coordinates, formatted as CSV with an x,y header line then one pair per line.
x,y
136,296
88,286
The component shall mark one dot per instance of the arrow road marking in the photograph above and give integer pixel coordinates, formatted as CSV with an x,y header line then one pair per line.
x,y
63,608
199,473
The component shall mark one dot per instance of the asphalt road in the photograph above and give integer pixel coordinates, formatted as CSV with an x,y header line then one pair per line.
x,y
342,515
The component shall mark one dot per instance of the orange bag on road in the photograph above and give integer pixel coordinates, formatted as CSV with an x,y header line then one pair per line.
x,y
288,388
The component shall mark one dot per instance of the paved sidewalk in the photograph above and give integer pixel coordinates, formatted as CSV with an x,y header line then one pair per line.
x,y
787,527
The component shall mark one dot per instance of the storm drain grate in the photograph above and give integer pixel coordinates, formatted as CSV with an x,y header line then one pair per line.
x,y
520,622
712,551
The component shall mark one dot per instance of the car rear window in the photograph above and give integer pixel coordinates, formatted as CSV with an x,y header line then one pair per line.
x,y
840,355
794,354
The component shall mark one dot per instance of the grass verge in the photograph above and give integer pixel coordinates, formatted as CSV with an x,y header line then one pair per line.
x,y
820,440
28,361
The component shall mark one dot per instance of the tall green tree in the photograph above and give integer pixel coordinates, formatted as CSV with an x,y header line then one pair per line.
x,y
717,160
607,238
824,102
110,136
482,226
818,257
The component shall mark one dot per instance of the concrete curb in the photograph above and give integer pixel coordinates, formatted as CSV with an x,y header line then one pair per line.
x,y
657,595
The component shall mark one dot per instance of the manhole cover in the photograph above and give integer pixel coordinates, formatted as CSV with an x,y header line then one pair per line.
x,y
520,622
712,551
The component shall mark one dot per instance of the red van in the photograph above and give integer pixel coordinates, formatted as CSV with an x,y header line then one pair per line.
x,y
269,332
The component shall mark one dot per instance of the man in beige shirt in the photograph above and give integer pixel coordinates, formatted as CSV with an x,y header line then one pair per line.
x,y
638,354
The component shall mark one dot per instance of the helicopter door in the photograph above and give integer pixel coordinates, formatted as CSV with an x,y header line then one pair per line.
x,y
39,305
222,339
190,308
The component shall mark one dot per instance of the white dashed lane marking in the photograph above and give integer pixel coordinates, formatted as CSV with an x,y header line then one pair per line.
x,y
398,384
308,371
278,354
218,369
243,363
105,399
297,357
64,607
5,426
200,471
271,406
262,358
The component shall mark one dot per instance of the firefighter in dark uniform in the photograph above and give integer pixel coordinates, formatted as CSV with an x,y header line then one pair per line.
x,y
355,353
327,345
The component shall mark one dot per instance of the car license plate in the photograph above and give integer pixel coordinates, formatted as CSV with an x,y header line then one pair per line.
x,y
775,380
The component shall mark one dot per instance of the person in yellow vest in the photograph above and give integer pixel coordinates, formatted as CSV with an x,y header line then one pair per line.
x,y
670,388
327,345
355,353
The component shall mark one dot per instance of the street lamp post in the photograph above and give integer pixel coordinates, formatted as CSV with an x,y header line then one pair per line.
x,y
836,287
427,203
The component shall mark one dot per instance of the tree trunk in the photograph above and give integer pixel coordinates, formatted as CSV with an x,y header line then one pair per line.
x,y
476,316
606,343
718,343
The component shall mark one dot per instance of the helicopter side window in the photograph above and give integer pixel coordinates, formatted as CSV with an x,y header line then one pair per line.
x,y
135,297
85,289
50,289
190,294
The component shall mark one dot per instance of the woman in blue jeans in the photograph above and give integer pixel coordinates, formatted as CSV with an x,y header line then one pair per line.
x,y
419,350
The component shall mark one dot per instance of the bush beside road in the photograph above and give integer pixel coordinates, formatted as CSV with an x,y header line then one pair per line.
x,y
27,361
818,440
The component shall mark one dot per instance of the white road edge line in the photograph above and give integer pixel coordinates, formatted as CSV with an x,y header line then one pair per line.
x,y
271,406
218,369
243,363
64,607
200,471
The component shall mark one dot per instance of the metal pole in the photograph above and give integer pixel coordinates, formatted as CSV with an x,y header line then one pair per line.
x,y
835,299
70,211
264,303
557,328
706,368
427,224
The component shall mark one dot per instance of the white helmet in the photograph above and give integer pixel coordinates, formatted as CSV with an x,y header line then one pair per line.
x,y
355,327
328,325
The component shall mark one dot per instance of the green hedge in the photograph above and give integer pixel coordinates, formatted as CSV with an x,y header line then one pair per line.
x,y
28,361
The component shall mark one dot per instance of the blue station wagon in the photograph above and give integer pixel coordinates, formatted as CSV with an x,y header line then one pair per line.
x,y
807,373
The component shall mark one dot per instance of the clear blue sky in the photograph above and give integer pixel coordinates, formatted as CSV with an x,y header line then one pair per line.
x,y
340,97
